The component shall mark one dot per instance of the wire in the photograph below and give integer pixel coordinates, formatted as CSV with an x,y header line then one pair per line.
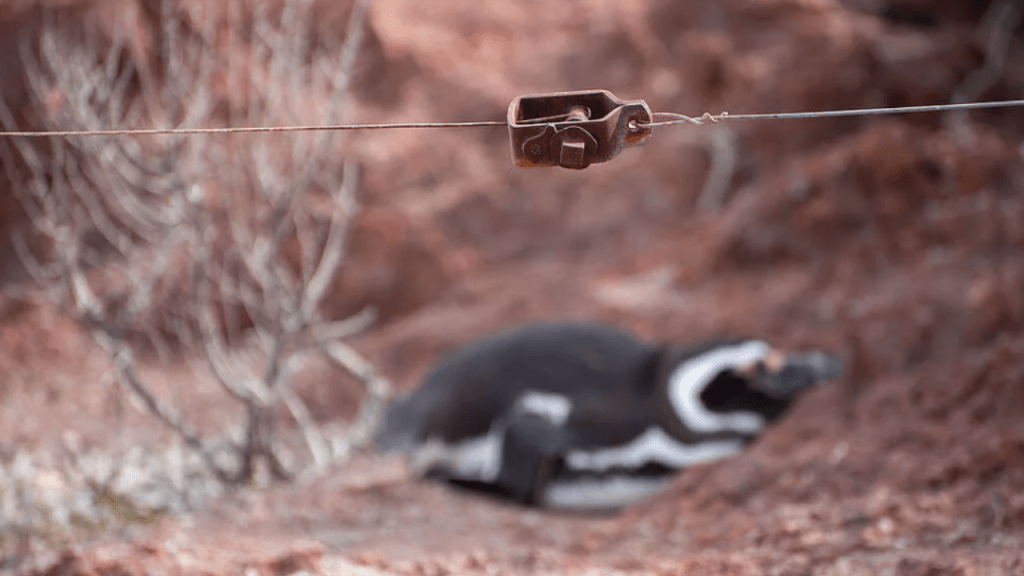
x,y
243,130
672,119
708,117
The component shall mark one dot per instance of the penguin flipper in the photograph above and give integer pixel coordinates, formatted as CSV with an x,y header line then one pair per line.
x,y
532,451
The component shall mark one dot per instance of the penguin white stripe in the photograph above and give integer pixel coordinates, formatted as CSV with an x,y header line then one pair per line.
x,y
691,378
555,408
601,493
653,446
477,458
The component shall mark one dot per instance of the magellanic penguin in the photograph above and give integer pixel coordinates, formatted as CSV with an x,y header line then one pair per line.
x,y
586,417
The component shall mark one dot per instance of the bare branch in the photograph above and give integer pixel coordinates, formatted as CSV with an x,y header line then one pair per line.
x,y
1000,20
127,374
355,324
39,274
318,447
723,156
233,294
378,391
334,245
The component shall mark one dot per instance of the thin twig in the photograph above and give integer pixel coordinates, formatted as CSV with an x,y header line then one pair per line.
x,y
723,156
1000,20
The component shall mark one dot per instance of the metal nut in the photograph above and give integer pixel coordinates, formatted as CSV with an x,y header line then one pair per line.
x,y
576,147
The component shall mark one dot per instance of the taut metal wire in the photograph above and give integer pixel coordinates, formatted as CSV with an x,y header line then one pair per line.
x,y
671,118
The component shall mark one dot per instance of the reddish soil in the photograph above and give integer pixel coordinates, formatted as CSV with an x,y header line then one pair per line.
x,y
896,242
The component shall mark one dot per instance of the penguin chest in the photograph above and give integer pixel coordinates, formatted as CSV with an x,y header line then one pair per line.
x,y
654,446
608,477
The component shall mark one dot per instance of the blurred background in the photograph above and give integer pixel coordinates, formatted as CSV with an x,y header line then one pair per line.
x,y
196,333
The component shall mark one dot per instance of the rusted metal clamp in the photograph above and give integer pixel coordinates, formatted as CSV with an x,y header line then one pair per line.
x,y
574,129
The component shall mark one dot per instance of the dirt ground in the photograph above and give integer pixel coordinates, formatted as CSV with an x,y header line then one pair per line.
x,y
895,241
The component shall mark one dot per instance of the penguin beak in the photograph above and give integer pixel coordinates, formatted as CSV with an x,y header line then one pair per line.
x,y
797,373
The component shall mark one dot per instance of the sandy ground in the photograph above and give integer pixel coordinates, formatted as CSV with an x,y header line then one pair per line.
x,y
897,242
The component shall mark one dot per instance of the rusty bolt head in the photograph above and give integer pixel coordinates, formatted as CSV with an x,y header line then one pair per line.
x,y
576,147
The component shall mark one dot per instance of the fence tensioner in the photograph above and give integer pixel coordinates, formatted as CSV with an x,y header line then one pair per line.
x,y
574,129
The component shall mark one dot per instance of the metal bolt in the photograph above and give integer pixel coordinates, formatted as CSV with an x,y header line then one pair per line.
x,y
572,154
578,114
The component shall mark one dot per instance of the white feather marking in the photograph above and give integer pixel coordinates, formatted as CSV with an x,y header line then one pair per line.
x,y
555,408
692,377
602,493
473,459
653,446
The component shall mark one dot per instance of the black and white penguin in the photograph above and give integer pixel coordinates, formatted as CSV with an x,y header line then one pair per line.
x,y
586,417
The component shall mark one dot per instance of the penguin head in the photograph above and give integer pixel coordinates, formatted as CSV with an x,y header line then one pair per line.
x,y
784,376
740,385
